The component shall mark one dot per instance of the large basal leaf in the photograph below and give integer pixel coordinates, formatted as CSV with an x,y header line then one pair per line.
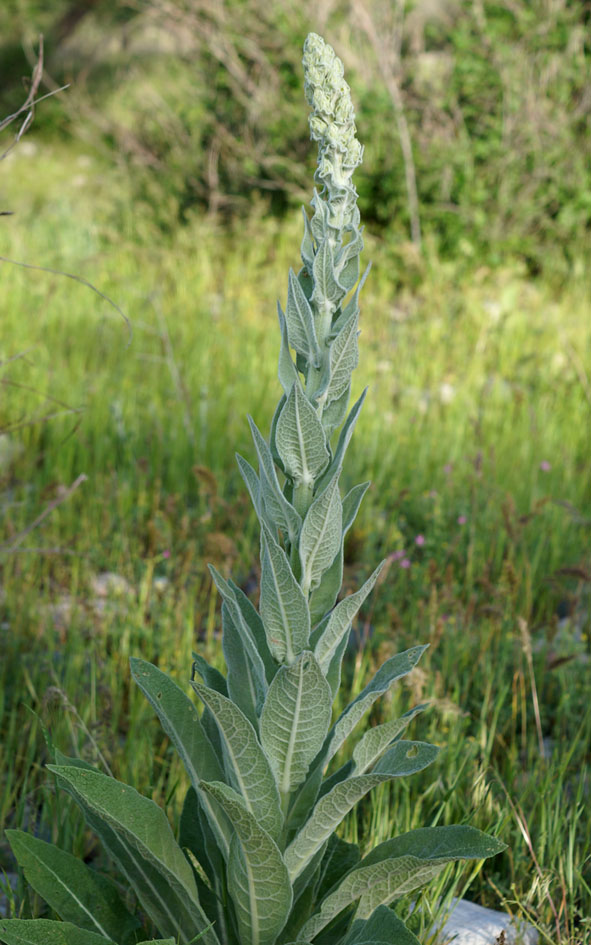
x,y
281,511
180,720
77,893
300,438
248,766
300,322
321,535
377,739
257,876
244,686
404,758
395,668
340,621
284,608
383,928
46,932
295,719
137,834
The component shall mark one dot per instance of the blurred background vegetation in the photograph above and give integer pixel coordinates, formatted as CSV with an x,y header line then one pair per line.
x,y
474,114
170,174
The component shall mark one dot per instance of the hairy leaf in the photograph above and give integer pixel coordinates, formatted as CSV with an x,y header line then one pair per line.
x,y
383,928
46,932
287,370
344,358
295,720
397,666
403,758
326,287
137,834
279,509
377,739
284,608
300,438
77,893
300,322
248,767
340,621
244,685
343,441
257,876
321,535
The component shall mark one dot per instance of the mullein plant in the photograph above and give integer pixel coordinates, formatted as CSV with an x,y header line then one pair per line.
x,y
258,859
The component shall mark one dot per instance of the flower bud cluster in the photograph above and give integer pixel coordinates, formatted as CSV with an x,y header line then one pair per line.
x,y
332,125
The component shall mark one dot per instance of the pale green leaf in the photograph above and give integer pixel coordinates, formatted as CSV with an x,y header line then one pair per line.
x,y
252,482
334,413
351,504
342,442
457,842
379,884
77,893
403,758
300,322
180,720
295,719
287,370
326,287
300,438
307,246
352,305
257,877
247,764
323,598
46,932
279,509
394,668
229,597
137,835
376,740
344,358
253,621
284,608
321,535
244,686
340,621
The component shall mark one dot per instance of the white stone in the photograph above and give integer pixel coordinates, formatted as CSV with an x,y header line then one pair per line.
x,y
470,924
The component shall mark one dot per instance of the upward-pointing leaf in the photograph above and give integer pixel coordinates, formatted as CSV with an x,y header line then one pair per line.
x,y
326,288
287,369
248,767
300,438
300,322
77,893
404,758
343,442
375,741
393,669
137,834
247,635
340,621
344,358
295,720
244,685
281,511
321,535
284,608
257,877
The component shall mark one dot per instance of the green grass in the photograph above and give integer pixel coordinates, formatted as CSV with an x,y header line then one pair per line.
x,y
478,381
